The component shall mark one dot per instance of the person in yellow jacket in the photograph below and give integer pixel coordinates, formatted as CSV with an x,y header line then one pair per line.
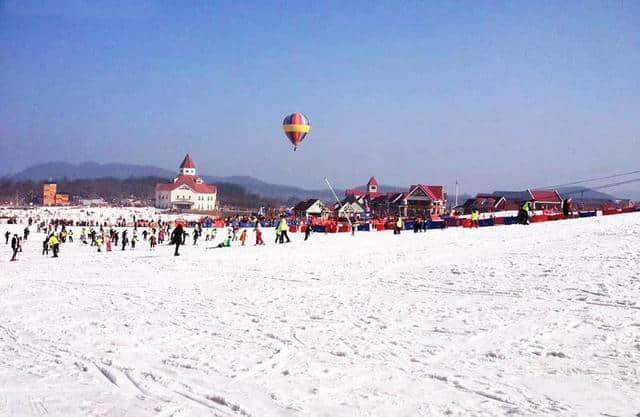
x,y
283,226
525,213
475,216
399,226
54,244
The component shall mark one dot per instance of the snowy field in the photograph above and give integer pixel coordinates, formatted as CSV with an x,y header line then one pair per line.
x,y
509,320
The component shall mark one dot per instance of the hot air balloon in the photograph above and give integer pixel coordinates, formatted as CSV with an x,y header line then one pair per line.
x,y
296,126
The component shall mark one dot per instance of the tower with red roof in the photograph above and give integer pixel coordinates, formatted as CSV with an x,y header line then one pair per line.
x,y
372,185
188,167
187,191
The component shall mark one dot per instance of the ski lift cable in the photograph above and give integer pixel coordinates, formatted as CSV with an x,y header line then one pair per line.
x,y
622,174
601,187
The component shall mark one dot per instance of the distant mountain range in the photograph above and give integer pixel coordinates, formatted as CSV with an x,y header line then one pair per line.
x,y
53,171
577,193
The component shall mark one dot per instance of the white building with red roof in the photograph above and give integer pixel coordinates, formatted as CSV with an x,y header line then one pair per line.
x,y
187,191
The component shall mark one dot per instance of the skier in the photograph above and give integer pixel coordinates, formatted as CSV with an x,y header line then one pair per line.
x,y
134,239
258,232
227,242
54,243
243,236
70,236
475,215
278,233
124,239
15,246
566,208
26,233
283,226
426,222
195,237
45,246
398,226
307,231
108,244
523,215
177,237
7,235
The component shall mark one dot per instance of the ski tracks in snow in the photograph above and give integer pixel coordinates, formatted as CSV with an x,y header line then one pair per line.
x,y
506,320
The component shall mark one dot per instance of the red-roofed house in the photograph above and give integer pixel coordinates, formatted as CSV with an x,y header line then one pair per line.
x,y
418,201
546,200
422,199
187,191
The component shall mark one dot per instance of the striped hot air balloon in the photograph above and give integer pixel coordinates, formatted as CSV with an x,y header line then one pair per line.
x,y
296,126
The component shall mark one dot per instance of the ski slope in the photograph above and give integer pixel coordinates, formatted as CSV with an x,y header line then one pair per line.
x,y
507,320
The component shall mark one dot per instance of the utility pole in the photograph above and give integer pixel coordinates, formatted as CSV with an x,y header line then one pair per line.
x,y
456,192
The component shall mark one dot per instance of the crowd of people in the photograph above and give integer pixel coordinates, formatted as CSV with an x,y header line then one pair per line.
x,y
102,237
105,235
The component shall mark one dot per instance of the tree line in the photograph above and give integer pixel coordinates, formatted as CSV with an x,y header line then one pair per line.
x,y
115,190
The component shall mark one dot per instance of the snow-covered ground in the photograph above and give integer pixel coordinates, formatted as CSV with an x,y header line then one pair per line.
x,y
536,320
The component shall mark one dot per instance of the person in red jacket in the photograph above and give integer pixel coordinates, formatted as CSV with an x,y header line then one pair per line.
x,y
259,240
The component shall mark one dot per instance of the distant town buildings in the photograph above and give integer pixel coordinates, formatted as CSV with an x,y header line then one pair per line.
x,y
50,196
187,191
513,200
418,200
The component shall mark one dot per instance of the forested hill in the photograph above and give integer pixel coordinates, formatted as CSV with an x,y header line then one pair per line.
x,y
115,189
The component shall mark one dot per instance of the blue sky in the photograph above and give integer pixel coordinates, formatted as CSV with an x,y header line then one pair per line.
x,y
502,95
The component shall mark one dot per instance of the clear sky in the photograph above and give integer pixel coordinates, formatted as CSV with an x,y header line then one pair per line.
x,y
502,94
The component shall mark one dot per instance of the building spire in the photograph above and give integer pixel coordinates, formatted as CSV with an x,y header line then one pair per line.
x,y
188,167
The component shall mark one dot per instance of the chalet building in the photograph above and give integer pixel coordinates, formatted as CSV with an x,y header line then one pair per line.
x,y
419,200
422,200
513,200
311,208
386,204
488,203
541,199
187,191
351,206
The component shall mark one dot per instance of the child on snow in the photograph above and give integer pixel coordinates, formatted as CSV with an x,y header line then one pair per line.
x,y
225,243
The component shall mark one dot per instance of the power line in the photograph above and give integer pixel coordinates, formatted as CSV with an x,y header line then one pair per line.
x,y
623,174
600,187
